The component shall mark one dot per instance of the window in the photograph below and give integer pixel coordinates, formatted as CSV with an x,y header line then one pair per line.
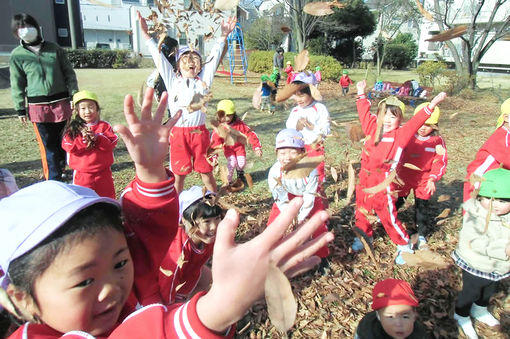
x,y
108,17
62,32
60,2
97,18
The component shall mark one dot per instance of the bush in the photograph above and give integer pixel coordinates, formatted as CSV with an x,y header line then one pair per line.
x,y
318,46
397,56
453,83
101,58
262,62
430,71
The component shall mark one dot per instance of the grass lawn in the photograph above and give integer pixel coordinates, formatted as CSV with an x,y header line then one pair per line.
x,y
332,305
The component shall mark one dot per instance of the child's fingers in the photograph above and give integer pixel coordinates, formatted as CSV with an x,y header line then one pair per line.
x,y
129,110
172,121
303,267
297,238
146,111
158,116
125,134
226,230
274,232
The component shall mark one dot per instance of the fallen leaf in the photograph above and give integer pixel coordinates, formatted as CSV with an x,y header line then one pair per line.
x,y
443,197
181,261
411,166
303,167
444,213
426,259
351,186
281,305
334,174
224,175
301,61
382,185
168,273
179,286
249,180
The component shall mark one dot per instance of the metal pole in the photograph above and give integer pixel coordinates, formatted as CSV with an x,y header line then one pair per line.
x,y
72,31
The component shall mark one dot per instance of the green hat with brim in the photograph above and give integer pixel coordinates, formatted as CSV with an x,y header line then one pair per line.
x,y
345,71
496,184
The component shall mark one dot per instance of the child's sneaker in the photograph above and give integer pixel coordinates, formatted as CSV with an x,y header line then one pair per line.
x,y
481,314
400,249
357,245
422,243
466,325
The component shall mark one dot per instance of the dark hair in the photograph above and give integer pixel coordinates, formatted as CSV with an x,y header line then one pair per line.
x,y
24,270
201,209
279,50
234,118
169,48
304,89
23,20
187,53
395,110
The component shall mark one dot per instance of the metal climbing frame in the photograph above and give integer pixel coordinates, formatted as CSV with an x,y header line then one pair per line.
x,y
237,54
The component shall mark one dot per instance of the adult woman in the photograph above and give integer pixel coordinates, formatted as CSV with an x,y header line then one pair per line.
x,y
42,75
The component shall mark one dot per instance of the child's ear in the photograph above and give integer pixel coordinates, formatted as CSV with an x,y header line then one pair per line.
x,y
25,306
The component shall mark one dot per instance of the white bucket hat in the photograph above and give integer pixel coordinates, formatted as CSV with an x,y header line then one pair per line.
x,y
188,197
33,213
289,138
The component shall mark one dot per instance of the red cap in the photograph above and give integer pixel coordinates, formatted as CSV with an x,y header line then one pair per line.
x,y
393,292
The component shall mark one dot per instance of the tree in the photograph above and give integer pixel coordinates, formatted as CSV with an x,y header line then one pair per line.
x,y
401,51
344,26
487,21
263,34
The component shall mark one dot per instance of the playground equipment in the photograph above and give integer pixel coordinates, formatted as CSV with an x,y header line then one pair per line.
x,y
238,64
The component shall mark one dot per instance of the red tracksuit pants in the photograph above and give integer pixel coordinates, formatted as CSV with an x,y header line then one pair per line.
x,y
383,204
101,182
317,206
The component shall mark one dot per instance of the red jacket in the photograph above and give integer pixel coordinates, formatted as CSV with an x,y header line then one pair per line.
x,y
151,213
422,153
100,157
377,161
237,148
493,153
345,81
178,277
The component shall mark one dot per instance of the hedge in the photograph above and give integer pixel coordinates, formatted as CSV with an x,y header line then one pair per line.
x,y
101,58
262,62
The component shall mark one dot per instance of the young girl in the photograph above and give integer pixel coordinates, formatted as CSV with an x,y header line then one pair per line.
x,y
379,159
311,118
345,82
483,250
234,150
427,152
190,138
494,153
183,272
290,146
89,143
68,269
394,313
265,93
318,75
290,72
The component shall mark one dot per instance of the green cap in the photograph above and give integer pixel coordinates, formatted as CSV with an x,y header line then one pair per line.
x,y
496,184
318,68
345,71
264,78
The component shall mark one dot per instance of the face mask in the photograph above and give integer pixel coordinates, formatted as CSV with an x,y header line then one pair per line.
x,y
28,34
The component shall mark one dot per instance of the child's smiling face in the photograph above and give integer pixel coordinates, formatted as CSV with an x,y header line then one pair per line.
x,y
390,121
398,320
499,206
286,155
87,285
425,130
190,65
88,111
302,99
206,230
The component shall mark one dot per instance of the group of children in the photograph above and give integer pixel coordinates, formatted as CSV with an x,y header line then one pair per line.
x,y
122,268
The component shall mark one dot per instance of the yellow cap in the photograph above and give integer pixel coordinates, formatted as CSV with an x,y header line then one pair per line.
x,y
434,117
226,106
391,100
505,110
82,95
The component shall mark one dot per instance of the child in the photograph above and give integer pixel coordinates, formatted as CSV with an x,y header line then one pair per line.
x,y
483,250
494,153
80,268
318,76
275,77
89,143
394,313
427,152
183,272
290,72
380,157
344,82
289,147
234,149
310,117
266,91
190,138
7,183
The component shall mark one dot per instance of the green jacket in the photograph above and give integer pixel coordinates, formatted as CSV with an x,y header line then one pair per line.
x,y
41,78
484,250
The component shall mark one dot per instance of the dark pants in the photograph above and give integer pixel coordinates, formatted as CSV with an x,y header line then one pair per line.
x,y
420,214
53,157
474,290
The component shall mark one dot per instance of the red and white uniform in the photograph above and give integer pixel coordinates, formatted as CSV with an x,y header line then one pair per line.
x,y
238,148
92,165
290,73
377,162
151,214
283,190
345,81
493,153
189,138
176,283
422,153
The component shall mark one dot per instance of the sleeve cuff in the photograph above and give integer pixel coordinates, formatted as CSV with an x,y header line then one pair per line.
x,y
200,329
362,96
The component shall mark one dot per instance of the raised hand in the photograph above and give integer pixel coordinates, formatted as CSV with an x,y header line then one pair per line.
x,y
145,138
143,25
239,271
228,26
437,99
361,86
